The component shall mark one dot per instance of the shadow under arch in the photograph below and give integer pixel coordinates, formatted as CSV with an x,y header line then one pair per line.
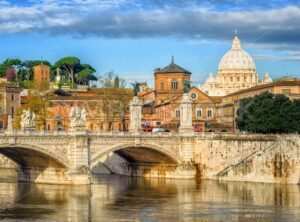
x,y
34,162
131,160
31,155
144,153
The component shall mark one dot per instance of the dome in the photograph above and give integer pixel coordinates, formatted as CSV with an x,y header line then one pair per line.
x,y
236,58
210,79
267,78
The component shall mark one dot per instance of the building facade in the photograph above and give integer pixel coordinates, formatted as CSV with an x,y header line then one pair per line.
x,y
168,82
41,77
9,102
107,109
203,111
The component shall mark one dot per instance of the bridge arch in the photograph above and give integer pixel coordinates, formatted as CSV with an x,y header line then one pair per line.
x,y
146,153
28,155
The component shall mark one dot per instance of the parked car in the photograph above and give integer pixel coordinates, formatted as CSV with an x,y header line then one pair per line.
x,y
147,129
158,130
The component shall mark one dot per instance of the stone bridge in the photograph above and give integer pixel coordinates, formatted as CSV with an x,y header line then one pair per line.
x,y
70,158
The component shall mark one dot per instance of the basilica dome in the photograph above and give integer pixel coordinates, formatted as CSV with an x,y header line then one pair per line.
x,y
236,58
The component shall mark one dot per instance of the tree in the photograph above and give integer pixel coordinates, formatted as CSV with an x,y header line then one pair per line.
x,y
268,113
116,82
68,64
115,99
37,103
28,68
111,80
9,68
86,74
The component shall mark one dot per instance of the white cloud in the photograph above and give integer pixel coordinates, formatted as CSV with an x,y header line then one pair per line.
x,y
125,18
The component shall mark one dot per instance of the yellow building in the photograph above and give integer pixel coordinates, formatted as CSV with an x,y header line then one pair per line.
x,y
203,111
9,102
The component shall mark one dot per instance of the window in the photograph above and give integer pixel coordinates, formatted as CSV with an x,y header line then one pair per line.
x,y
12,110
231,79
194,96
286,91
162,87
60,126
209,113
12,97
177,113
92,127
174,84
48,127
1,109
198,113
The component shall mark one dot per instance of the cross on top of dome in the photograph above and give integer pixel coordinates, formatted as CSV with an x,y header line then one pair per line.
x,y
236,43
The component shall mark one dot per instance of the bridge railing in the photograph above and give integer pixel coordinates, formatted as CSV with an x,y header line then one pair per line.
x,y
92,133
206,135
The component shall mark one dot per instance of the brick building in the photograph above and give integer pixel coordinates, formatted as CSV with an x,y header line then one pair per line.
x,y
41,77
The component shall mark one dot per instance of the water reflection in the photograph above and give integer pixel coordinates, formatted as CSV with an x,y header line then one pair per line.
x,y
117,198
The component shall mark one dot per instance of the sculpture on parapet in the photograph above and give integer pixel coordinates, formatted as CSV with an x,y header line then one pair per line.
x,y
27,119
135,88
186,86
78,117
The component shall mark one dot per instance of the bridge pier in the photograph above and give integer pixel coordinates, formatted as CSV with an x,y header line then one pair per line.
x,y
186,169
79,171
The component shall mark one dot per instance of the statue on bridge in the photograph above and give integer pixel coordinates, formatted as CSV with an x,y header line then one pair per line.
x,y
78,117
27,119
135,88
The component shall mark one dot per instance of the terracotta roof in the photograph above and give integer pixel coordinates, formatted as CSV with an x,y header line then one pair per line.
x,y
263,86
173,68
103,90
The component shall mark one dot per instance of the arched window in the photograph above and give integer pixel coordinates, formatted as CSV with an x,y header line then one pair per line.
x,y
60,126
198,113
209,113
162,88
174,84
177,113
92,127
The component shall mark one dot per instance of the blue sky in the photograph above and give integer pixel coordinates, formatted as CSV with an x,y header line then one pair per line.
x,y
133,37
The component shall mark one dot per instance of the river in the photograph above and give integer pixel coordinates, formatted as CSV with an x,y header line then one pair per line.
x,y
120,198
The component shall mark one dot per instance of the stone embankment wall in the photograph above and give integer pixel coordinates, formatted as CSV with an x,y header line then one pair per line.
x,y
253,158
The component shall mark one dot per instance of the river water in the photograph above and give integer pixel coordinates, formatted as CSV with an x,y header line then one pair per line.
x,y
120,198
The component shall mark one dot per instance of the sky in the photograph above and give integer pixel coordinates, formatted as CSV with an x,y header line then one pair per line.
x,y
133,37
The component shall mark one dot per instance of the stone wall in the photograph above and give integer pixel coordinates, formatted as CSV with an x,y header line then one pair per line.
x,y
255,158
6,163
